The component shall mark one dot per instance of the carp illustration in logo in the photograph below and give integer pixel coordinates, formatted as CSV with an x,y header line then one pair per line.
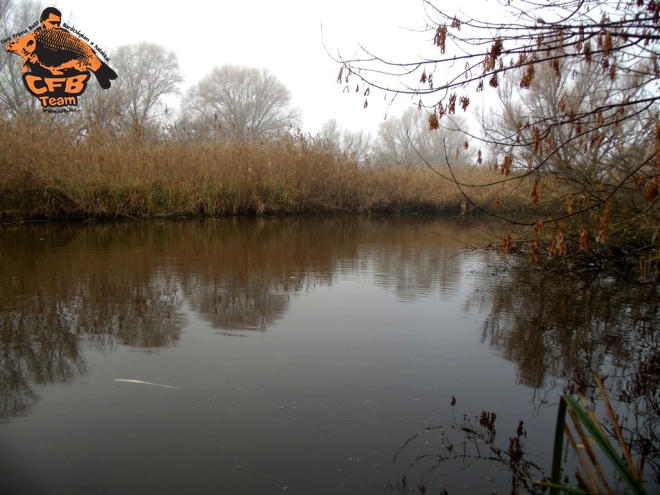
x,y
50,51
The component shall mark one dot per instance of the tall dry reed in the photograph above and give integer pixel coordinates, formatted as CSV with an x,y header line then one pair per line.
x,y
48,171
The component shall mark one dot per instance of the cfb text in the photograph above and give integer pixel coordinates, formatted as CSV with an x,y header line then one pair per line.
x,y
56,91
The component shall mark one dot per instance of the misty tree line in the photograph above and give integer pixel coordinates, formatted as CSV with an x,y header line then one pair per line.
x,y
230,102
574,117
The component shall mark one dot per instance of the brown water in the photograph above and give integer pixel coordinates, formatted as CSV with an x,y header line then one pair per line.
x,y
308,356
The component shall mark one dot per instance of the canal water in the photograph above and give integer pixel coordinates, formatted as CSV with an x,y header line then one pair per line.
x,y
300,355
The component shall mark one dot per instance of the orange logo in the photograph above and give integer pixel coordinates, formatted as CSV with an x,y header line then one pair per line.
x,y
56,63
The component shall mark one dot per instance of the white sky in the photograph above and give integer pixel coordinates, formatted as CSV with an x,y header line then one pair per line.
x,y
283,36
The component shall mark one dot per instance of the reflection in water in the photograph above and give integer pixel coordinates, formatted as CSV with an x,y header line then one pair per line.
x,y
127,284
413,268
255,307
549,323
64,289
130,284
59,285
553,325
37,348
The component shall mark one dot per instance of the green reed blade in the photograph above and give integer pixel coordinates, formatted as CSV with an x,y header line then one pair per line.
x,y
557,450
605,446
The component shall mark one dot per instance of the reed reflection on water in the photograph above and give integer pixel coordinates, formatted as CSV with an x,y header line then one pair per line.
x,y
103,286
553,325
125,284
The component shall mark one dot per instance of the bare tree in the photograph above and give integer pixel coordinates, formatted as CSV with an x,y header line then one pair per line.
x,y
356,145
147,72
618,39
241,102
330,133
14,99
581,87
105,108
406,140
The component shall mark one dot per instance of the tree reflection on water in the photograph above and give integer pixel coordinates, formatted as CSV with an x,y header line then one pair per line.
x,y
553,325
62,287
125,284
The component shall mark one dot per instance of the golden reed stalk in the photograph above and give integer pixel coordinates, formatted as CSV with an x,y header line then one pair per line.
x,y
48,171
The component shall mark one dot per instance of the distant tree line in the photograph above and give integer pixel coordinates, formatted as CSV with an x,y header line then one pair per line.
x,y
231,102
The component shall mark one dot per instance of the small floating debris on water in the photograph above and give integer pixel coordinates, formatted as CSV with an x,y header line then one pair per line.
x,y
144,383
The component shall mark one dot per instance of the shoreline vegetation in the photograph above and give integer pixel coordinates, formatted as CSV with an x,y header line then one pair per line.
x,y
50,172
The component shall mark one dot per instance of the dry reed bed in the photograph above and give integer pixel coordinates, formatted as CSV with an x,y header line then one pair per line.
x,y
48,172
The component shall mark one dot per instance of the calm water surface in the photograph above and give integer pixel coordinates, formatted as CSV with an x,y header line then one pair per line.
x,y
305,356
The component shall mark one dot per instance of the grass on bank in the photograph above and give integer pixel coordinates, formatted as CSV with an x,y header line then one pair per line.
x,y
48,172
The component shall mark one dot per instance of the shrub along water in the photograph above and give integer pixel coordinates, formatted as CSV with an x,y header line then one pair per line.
x,y
48,171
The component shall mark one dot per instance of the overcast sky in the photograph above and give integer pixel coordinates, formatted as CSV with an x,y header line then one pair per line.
x,y
284,36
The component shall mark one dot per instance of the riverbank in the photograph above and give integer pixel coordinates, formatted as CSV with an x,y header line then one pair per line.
x,y
48,172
